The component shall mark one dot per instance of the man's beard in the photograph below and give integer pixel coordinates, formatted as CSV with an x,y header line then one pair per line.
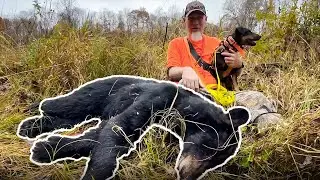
x,y
196,36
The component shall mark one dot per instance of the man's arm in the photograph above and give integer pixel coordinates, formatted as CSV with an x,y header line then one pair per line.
x,y
185,75
175,73
174,62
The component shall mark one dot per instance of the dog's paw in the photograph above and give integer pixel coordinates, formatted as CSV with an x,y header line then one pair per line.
x,y
46,151
30,128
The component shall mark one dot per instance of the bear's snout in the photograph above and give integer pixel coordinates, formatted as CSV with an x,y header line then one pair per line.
x,y
190,167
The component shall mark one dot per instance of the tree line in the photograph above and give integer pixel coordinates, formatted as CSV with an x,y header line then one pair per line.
x,y
39,21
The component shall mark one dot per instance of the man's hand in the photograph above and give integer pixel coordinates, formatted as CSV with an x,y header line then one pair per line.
x,y
232,59
190,79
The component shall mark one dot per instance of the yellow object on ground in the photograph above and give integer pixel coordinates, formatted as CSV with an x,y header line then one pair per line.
x,y
221,94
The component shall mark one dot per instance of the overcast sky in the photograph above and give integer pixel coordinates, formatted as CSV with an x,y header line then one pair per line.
x,y
214,7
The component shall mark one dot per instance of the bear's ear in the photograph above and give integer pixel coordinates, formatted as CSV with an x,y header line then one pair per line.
x,y
238,116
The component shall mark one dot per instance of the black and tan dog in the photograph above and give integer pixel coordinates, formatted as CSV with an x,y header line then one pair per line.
x,y
237,41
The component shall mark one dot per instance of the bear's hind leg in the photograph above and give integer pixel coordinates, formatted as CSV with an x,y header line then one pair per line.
x,y
60,147
35,126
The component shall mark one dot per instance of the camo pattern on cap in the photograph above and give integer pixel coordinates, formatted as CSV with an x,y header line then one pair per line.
x,y
194,6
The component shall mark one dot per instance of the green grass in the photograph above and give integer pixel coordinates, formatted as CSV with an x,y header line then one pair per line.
x,y
55,65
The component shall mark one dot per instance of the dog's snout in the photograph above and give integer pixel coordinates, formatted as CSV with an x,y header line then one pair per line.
x,y
258,37
255,37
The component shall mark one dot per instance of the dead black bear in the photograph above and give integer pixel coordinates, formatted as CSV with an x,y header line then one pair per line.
x,y
212,135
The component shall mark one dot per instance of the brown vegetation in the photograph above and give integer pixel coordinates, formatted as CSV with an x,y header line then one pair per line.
x,y
48,55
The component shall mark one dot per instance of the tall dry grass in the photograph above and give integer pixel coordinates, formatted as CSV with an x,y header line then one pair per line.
x,y
68,58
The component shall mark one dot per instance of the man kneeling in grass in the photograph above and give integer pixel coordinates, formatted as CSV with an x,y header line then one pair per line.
x,y
183,68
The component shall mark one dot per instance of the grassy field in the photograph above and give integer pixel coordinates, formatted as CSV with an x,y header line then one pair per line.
x,y
57,64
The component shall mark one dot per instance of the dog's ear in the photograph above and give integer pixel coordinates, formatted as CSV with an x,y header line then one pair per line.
x,y
237,30
238,34
238,116
240,31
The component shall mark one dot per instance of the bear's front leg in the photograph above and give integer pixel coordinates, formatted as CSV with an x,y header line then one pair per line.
x,y
113,137
57,147
103,162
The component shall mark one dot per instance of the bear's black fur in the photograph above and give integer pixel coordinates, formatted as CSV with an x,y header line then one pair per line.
x,y
210,139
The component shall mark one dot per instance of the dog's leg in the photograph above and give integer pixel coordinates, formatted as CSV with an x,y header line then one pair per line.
x,y
235,79
57,147
235,83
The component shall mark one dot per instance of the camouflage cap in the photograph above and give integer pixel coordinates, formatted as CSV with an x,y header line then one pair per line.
x,y
194,6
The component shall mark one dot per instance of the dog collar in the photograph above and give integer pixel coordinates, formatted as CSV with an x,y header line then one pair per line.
x,y
232,42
